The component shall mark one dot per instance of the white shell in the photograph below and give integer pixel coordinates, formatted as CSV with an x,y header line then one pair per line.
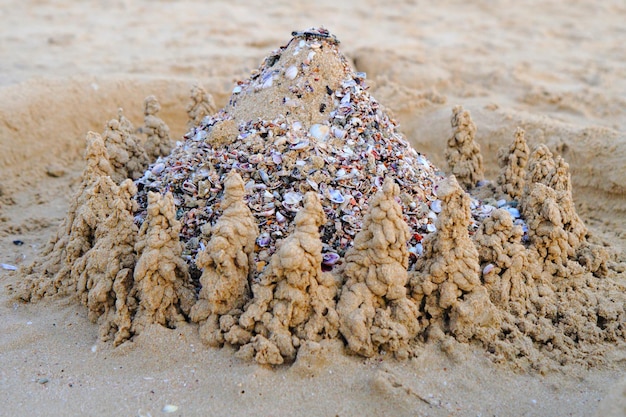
x,y
487,269
292,197
513,212
336,197
319,132
158,168
339,133
291,72
436,206
268,83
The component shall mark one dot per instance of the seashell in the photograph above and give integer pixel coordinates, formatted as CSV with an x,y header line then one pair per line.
x,y
300,145
291,72
335,196
513,212
309,57
319,132
417,250
263,240
9,267
330,258
250,185
280,218
237,89
436,206
292,197
264,177
244,167
158,168
339,133
189,187
501,203
431,228
485,210
277,158
312,183
296,126
200,135
268,82
487,269
255,158
268,213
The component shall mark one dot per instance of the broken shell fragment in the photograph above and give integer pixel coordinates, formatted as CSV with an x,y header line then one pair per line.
x,y
303,144
436,206
158,168
263,240
330,258
292,197
335,196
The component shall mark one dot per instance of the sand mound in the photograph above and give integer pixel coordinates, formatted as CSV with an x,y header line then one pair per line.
x,y
301,214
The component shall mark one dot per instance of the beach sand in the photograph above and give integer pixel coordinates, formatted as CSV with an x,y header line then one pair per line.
x,y
556,70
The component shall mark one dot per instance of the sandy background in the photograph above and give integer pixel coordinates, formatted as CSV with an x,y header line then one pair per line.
x,y
557,70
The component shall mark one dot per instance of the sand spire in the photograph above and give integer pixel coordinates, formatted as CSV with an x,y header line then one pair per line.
x,y
463,153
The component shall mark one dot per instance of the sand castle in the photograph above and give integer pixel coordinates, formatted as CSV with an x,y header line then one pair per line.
x,y
298,213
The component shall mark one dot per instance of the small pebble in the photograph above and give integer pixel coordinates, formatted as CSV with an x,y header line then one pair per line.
x,y
170,408
43,381
18,242
55,171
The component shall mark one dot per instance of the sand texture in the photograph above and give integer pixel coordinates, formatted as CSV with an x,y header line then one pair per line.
x,y
201,214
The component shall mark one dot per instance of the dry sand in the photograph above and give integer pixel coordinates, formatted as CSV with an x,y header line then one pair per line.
x,y
555,70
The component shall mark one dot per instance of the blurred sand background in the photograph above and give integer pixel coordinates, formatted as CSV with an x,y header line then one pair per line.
x,y
558,70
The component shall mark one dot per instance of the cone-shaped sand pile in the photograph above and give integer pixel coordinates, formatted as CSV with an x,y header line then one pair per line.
x,y
303,122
